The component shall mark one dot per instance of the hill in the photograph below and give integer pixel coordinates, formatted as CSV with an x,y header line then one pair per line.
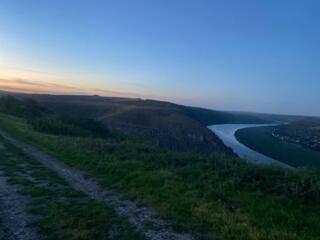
x,y
165,124
209,197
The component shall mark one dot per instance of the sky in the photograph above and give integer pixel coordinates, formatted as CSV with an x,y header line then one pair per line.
x,y
248,55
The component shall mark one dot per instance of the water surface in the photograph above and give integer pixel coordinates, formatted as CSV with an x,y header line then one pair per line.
x,y
226,132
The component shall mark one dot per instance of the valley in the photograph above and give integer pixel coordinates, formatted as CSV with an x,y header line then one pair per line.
x,y
226,132
159,120
191,194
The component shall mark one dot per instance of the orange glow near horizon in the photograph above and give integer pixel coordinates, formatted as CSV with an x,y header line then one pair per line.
x,y
12,79
30,81
19,79
39,80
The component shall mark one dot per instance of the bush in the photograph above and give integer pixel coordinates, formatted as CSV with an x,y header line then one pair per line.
x,y
43,120
66,125
27,108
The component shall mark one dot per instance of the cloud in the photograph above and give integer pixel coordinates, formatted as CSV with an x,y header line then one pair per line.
x,y
35,84
28,70
29,86
41,87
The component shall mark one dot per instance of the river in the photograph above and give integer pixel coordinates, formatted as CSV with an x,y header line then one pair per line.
x,y
226,132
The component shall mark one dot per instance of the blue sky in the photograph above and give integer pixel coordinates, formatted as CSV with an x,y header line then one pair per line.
x,y
249,55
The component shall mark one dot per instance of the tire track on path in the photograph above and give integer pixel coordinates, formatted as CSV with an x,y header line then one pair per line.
x,y
143,218
15,218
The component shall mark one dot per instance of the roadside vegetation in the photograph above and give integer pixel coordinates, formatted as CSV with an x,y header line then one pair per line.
x,y
211,196
262,140
57,210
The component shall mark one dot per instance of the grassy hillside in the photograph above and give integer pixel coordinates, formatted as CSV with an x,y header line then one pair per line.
x,y
262,140
211,117
162,123
37,201
165,124
212,196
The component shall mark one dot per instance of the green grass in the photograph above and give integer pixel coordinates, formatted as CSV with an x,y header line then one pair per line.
x,y
261,140
213,197
62,213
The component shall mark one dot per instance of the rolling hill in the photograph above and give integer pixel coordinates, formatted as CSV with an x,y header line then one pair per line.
x,y
165,124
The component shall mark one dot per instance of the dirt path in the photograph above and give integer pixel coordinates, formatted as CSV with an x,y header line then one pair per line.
x,y
144,219
15,218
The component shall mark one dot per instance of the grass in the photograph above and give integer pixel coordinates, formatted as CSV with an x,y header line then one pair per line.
x,y
261,140
213,197
61,212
